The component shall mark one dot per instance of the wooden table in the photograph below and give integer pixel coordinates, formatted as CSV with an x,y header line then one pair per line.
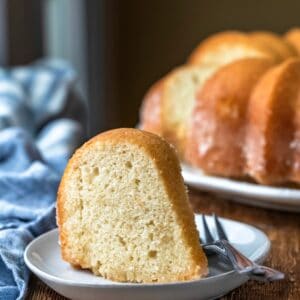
x,y
282,228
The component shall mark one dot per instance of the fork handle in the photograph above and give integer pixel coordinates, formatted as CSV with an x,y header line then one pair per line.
x,y
266,274
242,264
253,270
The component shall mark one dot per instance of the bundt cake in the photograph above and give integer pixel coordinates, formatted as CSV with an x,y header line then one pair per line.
x,y
123,211
225,47
216,136
272,140
293,38
234,125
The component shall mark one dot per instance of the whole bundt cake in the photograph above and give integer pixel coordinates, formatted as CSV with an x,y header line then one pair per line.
x,y
231,121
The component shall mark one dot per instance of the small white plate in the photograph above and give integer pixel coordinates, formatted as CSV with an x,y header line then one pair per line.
x,y
43,258
281,198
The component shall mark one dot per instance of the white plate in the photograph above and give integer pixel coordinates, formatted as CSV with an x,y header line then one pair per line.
x,y
287,199
42,256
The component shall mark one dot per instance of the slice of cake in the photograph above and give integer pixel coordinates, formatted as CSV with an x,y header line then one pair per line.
x,y
123,211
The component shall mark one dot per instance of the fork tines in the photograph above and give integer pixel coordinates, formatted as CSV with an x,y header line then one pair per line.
x,y
219,228
208,236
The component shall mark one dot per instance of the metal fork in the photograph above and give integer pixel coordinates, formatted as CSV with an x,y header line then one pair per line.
x,y
239,262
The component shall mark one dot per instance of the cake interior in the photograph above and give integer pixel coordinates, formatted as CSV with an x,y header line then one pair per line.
x,y
116,201
180,92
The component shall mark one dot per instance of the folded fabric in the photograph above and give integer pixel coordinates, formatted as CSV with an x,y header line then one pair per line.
x,y
42,121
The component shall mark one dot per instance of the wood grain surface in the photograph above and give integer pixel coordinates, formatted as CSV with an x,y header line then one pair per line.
x,y
282,228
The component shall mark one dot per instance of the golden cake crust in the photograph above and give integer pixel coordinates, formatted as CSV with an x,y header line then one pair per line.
x,y
275,43
271,124
293,38
216,135
166,161
227,46
150,114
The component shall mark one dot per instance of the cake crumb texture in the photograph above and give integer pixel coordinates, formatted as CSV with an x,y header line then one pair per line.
x,y
123,211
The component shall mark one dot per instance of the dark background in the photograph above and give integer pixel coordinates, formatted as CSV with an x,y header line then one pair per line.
x,y
129,44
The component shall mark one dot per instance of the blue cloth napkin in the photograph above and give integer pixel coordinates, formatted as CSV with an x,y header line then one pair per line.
x,y
41,123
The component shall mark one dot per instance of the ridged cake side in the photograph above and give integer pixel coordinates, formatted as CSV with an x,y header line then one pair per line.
x,y
275,43
217,134
272,141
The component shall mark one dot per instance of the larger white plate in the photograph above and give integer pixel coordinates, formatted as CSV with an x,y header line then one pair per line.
x,y
280,198
43,258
